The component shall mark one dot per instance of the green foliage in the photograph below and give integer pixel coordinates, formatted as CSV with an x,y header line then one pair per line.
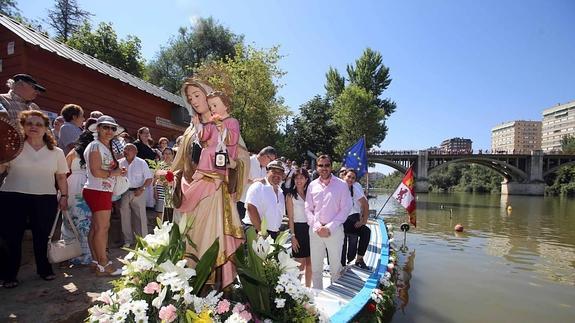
x,y
251,77
104,45
206,41
466,178
313,129
66,18
568,144
563,183
356,114
335,83
370,74
9,8
358,108
389,181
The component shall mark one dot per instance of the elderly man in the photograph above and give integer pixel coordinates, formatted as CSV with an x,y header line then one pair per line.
x,y
133,202
327,205
57,125
258,165
23,90
266,200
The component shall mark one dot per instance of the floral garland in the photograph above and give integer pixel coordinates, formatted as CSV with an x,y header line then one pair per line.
x,y
381,306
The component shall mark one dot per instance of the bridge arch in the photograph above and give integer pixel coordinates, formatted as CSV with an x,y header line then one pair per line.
x,y
509,172
552,170
399,167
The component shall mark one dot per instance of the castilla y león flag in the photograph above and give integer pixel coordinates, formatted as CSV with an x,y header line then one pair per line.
x,y
405,195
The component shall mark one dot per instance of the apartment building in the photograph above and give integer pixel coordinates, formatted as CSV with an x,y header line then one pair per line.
x,y
558,122
456,145
516,137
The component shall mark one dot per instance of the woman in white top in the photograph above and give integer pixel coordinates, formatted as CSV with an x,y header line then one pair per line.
x,y
297,220
78,209
29,197
102,170
357,219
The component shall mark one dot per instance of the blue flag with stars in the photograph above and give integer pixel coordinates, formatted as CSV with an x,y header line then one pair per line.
x,y
356,157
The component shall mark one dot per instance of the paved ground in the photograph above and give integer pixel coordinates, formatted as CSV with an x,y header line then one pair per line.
x,y
65,299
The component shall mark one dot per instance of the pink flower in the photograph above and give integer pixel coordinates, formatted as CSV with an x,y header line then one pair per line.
x,y
168,313
246,315
238,308
223,306
152,288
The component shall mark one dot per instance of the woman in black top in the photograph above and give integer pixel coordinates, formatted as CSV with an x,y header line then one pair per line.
x,y
145,151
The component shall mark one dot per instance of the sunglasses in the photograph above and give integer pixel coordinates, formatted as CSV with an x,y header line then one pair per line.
x,y
106,127
324,165
37,124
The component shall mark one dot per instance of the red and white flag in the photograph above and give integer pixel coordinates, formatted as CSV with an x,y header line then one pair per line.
x,y
405,195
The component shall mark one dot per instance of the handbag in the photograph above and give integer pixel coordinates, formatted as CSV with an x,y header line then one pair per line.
x,y
121,186
62,250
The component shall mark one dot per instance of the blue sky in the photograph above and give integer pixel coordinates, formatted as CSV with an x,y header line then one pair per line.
x,y
459,67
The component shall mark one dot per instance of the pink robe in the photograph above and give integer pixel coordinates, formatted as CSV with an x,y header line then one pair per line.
x,y
208,178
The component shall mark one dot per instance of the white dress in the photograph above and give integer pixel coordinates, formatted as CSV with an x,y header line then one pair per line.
x,y
79,211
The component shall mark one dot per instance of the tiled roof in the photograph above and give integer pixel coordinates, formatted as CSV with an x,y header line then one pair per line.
x,y
35,38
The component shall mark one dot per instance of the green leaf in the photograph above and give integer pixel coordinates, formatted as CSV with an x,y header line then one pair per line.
x,y
205,265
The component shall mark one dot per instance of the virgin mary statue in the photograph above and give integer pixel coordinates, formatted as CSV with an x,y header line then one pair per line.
x,y
216,215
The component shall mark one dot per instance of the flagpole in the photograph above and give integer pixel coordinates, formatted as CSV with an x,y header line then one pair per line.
x,y
390,195
367,168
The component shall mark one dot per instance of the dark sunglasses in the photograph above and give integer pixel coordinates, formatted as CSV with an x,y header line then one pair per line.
x,y
106,127
324,165
37,124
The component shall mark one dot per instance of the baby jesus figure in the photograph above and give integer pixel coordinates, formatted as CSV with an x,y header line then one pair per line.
x,y
219,139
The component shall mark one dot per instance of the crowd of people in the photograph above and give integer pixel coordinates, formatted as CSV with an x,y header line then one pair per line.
x,y
75,165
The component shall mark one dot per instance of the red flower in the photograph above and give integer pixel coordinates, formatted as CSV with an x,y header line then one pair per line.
x,y
371,307
170,176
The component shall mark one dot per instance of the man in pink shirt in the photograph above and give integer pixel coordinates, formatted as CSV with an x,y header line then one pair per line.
x,y
327,205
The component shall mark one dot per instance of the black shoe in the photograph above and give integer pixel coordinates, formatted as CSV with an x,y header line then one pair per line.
x,y
361,265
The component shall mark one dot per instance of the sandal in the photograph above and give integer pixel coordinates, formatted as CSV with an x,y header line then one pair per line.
x,y
361,264
107,270
48,277
11,283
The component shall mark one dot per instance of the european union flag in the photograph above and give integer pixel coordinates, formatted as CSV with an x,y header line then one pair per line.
x,y
356,157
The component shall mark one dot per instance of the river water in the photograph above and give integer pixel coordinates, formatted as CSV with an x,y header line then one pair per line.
x,y
507,266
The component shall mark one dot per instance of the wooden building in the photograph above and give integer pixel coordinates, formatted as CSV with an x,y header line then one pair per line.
x,y
71,76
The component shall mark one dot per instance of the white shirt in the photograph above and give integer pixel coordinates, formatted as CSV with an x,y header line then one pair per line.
x,y
256,172
97,183
269,205
32,172
357,195
138,171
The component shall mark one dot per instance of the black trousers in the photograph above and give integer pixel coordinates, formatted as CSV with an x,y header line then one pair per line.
x,y
363,232
20,211
241,209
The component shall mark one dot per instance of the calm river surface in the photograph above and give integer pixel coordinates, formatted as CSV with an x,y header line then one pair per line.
x,y
505,267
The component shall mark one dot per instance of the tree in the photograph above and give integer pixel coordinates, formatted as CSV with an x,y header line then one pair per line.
x,y
9,8
356,114
251,77
313,129
66,18
206,41
103,44
358,107
334,85
568,144
370,74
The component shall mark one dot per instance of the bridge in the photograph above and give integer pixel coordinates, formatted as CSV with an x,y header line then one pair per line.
x,y
523,173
